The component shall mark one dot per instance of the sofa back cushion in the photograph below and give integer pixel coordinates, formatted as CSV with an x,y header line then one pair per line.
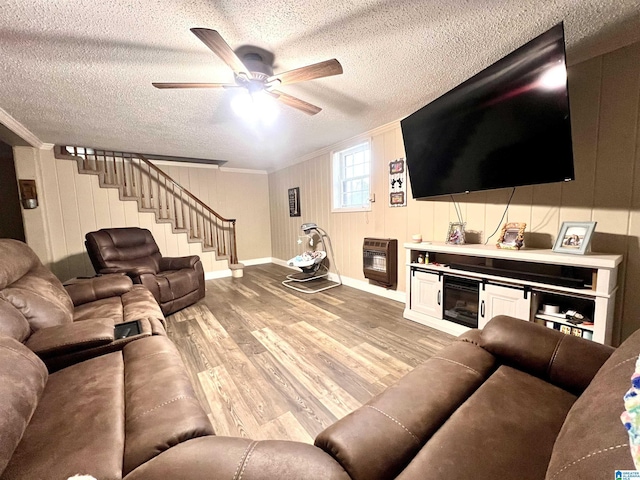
x,y
33,290
22,380
593,442
78,427
119,247
566,361
12,323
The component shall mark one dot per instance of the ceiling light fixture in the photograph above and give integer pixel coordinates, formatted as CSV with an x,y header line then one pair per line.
x,y
255,107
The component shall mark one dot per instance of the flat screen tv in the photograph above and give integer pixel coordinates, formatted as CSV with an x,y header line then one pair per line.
x,y
506,126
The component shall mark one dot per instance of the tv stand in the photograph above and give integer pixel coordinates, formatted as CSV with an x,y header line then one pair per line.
x,y
519,283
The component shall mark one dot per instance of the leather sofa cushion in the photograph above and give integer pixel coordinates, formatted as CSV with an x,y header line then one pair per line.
x,y
22,380
238,458
13,323
41,298
78,427
566,361
71,337
105,308
161,407
140,303
132,245
92,289
380,438
137,303
593,443
16,260
506,429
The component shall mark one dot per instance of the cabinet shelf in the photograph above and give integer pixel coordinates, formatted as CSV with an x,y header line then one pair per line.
x,y
562,321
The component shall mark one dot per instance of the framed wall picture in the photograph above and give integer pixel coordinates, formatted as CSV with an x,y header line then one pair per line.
x,y
512,236
294,202
455,235
574,237
397,183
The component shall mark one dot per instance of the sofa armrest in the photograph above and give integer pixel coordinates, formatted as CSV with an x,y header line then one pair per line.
x,y
566,361
380,438
178,263
96,288
210,457
71,337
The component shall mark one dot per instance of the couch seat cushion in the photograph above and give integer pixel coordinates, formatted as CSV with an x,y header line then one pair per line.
x,y
110,307
78,426
506,429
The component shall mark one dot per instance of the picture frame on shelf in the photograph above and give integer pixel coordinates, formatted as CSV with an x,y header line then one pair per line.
x,y
512,236
574,237
455,234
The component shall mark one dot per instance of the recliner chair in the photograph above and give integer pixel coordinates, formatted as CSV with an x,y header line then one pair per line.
x,y
176,282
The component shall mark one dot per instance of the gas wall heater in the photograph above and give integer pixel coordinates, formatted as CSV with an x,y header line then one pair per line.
x,y
380,260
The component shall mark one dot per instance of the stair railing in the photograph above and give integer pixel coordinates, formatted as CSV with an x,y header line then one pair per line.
x,y
155,191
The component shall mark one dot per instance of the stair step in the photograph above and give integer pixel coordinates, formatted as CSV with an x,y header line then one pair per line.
x,y
106,180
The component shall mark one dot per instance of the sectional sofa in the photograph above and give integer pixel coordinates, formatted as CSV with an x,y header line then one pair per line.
x,y
514,400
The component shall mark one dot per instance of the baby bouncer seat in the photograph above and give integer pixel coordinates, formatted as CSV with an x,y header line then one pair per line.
x,y
312,263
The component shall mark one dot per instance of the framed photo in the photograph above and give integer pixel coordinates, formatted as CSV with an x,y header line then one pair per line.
x,y
294,202
512,236
397,198
455,235
574,237
397,166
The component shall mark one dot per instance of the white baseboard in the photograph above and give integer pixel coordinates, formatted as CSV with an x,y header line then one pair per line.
x,y
227,271
349,282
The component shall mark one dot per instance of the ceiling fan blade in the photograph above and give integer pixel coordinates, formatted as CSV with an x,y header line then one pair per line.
x,y
302,74
295,102
215,42
193,85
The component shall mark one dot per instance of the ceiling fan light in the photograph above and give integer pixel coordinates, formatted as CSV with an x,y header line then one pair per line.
x,y
255,107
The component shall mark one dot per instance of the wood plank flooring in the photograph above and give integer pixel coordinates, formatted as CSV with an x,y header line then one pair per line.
x,y
268,362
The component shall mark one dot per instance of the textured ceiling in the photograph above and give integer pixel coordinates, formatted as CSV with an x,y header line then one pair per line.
x,y
80,71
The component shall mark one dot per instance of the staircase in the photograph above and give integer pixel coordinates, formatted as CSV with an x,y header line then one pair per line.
x,y
136,178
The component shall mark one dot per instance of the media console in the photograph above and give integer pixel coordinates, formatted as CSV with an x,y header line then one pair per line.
x,y
457,287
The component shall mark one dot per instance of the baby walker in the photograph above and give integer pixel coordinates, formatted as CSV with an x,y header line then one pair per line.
x,y
312,263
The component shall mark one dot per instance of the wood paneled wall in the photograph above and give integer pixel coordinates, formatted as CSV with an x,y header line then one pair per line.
x,y
605,111
73,204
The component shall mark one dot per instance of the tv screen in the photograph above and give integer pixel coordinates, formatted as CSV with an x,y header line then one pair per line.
x,y
506,126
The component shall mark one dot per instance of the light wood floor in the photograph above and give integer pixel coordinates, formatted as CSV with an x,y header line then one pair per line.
x,y
268,362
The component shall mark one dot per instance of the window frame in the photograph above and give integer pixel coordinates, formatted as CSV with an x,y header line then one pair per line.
x,y
338,177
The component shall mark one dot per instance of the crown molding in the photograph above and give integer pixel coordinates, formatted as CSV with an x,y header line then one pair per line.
x,y
21,131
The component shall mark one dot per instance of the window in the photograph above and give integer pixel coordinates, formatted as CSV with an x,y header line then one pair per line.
x,y
352,178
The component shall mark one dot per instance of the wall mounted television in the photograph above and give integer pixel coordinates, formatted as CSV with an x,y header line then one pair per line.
x,y
506,126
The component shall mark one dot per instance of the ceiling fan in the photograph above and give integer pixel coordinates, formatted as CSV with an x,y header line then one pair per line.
x,y
256,75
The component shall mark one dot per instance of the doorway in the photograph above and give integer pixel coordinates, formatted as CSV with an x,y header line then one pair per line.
x,y
10,210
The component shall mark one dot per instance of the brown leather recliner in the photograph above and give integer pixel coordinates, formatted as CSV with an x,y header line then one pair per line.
x,y
176,282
